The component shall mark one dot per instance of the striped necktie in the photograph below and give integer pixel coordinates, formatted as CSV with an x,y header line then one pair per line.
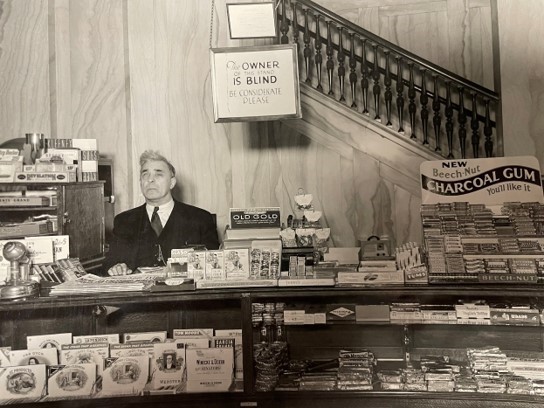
x,y
156,221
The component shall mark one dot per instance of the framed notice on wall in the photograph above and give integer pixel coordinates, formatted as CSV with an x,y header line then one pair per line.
x,y
255,83
252,20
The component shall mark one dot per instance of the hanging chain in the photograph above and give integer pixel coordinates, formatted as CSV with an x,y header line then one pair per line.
x,y
211,22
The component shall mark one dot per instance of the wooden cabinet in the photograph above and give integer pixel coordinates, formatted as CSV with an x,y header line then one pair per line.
x,y
74,209
393,342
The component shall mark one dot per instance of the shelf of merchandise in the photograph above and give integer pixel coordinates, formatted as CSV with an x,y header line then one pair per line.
x,y
90,314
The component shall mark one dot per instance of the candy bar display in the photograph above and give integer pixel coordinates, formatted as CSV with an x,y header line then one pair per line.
x,y
473,243
414,379
390,380
318,381
355,370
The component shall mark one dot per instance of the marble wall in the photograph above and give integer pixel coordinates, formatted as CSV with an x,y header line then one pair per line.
x,y
135,74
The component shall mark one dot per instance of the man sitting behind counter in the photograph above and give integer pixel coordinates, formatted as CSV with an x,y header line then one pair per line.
x,y
145,235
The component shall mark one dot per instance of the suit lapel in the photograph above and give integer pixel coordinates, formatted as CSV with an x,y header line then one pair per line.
x,y
178,225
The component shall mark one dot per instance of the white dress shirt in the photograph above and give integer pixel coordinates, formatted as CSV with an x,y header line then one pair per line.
x,y
164,211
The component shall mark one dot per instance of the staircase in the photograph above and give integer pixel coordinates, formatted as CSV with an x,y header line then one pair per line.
x,y
401,95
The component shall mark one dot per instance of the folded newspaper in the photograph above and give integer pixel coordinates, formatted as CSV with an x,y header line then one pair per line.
x,y
95,284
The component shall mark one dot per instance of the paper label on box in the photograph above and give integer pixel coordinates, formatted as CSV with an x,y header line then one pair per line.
x,y
439,315
294,316
98,338
71,380
152,337
22,382
205,386
132,349
371,278
309,318
210,364
181,253
180,333
48,341
9,168
196,265
472,311
258,217
68,156
223,342
6,153
59,243
85,353
214,265
195,342
238,353
47,356
341,312
27,201
515,316
236,262
168,364
125,375
320,318
53,177
89,166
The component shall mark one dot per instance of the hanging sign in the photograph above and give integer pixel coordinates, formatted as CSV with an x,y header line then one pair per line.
x,y
255,83
490,181
252,20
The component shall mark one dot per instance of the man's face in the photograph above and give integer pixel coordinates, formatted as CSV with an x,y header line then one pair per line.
x,y
156,182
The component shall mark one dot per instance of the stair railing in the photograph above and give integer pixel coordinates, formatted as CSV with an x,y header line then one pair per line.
x,y
331,45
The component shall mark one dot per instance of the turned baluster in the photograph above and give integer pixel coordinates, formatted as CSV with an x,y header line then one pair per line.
x,y
341,57
330,62
307,49
376,89
284,25
462,119
400,95
412,104
449,120
352,74
424,99
488,131
388,95
318,57
295,24
474,125
364,81
437,118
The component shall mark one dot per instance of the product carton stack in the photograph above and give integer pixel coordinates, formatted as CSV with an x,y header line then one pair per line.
x,y
59,161
10,164
250,254
84,151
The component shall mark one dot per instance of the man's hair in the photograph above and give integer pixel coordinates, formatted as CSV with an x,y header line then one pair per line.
x,y
152,155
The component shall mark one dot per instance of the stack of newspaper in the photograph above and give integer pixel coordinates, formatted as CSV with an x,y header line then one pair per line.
x,y
95,284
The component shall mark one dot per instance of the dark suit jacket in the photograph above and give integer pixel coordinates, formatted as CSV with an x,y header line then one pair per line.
x,y
136,244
